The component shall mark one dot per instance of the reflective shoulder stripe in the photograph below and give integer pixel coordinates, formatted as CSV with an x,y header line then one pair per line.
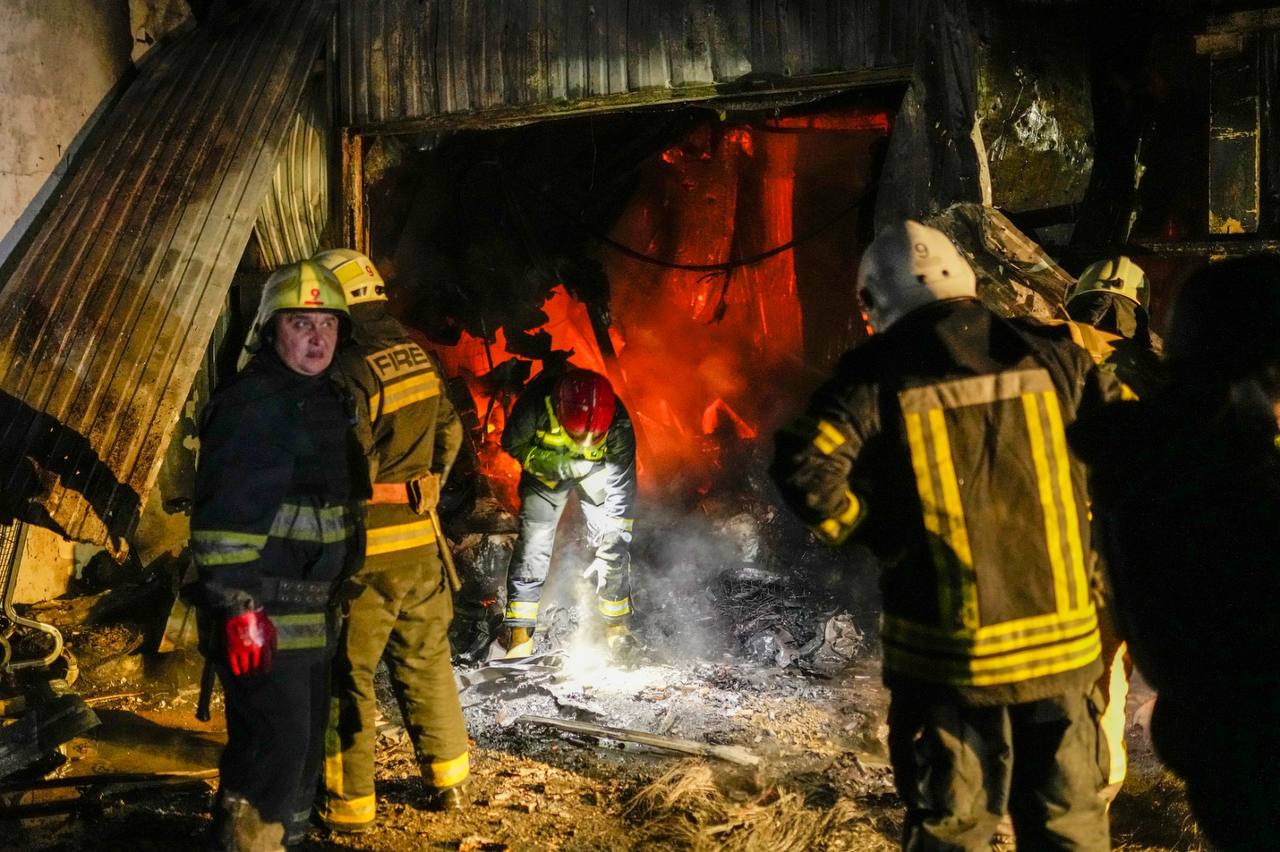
x,y
225,547
975,390
449,773
389,539
298,631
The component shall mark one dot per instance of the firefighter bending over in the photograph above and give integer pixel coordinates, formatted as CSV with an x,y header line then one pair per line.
x,y
571,434
1187,499
274,531
940,442
404,608
1109,310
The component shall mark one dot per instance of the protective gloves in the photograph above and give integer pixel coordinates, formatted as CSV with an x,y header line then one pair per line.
x,y
251,641
600,568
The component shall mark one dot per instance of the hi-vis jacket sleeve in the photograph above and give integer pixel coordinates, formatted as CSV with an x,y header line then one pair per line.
x,y
816,455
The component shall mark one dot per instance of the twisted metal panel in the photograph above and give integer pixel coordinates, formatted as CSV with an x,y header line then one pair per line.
x,y
105,319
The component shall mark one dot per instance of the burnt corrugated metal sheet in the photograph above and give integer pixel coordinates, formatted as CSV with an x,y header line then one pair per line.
x,y
105,320
293,216
404,60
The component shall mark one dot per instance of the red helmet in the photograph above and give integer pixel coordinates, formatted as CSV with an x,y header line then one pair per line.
x,y
584,404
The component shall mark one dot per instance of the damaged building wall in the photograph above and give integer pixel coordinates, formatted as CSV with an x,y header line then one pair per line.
x,y
405,60
46,109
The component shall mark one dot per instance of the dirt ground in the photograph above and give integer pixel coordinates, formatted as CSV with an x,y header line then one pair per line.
x,y
823,782
738,652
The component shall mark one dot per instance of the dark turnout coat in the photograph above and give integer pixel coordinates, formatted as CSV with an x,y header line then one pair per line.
x,y
948,432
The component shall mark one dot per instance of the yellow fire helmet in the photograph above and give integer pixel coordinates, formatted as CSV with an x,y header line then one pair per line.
x,y
356,273
303,286
1119,276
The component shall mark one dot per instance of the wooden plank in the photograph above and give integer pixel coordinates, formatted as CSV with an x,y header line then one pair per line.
x,y
731,754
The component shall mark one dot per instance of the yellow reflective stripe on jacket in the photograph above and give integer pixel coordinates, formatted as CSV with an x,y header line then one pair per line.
x,y
325,524
1057,499
390,539
409,390
449,773
522,610
828,439
836,530
993,639
225,547
298,631
996,669
614,609
939,493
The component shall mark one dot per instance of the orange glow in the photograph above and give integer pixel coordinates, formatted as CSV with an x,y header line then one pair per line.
x,y
708,363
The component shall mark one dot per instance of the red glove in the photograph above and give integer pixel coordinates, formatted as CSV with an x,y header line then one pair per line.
x,y
251,640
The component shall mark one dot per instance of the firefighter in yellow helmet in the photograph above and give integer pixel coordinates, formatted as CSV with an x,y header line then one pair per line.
x,y
1108,306
403,611
939,443
275,529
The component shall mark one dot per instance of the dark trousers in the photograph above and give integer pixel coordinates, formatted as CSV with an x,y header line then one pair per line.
x,y
275,747
959,768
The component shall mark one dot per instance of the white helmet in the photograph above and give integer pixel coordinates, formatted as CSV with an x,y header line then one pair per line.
x,y
908,266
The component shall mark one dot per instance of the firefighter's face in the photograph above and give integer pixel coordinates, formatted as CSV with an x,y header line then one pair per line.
x,y
305,340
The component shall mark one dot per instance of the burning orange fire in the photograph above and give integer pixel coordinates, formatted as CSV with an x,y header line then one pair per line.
x,y
709,361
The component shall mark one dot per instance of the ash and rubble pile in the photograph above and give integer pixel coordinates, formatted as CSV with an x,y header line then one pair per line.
x,y
752,634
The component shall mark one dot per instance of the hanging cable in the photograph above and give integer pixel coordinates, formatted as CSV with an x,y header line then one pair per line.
x,y
689,267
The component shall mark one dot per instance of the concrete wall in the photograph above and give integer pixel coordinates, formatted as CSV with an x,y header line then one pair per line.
x,y
58,60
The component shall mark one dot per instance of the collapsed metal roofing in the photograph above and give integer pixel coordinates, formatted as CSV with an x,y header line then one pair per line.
x,y
105,319
407,60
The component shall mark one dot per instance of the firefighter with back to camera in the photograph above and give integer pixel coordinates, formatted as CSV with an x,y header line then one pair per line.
x,y
940,443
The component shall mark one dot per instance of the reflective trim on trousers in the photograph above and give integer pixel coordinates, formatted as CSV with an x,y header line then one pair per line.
x,y
522,611
614,609
442,774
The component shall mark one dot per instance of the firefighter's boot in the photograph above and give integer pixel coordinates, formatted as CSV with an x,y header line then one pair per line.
x,y
512,643
622,643
453,798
